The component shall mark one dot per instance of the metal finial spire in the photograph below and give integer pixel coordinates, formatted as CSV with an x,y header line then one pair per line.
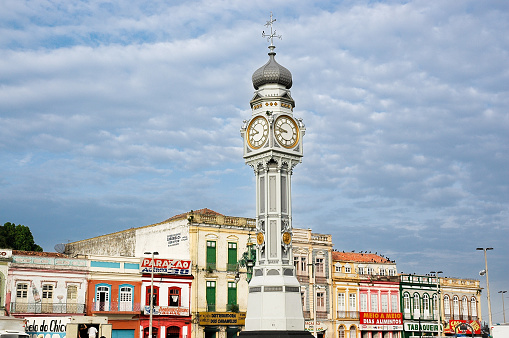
x,y
270,37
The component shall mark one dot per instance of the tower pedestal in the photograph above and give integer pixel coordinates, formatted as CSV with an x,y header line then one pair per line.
x,y
275,334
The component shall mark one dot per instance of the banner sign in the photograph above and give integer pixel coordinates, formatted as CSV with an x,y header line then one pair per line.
x,y
451,327
46,327
309,326
222,318
422,327
166,266
381,318
167,311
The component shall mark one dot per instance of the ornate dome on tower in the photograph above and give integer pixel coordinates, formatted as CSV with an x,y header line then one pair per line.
x,y
272,72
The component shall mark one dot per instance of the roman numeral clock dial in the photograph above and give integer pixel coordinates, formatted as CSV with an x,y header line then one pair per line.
x,y
286,131
257,132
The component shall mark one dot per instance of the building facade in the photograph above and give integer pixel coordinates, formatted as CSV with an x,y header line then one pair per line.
x,y
366,296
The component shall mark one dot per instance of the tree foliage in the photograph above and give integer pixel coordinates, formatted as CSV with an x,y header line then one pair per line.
x,y
17,237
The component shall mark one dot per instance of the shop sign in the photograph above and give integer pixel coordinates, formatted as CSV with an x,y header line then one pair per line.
x,y
308,326
422,327
364,327
46,327
222,318
166,266
167,311
381,318
451,327
5,253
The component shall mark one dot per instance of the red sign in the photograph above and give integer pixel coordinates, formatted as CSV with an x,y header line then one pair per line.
x,y
451,327
167,266
381,318
167,311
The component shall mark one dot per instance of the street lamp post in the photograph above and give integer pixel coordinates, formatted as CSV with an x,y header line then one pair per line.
x,y
151,291
503,305
439,300
487,283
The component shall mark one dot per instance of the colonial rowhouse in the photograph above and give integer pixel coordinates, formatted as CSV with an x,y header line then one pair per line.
x,y
419,301
114,290
46,289
312,263
366,296
461,306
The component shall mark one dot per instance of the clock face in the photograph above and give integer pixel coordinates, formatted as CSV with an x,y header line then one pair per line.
x,y
259,238
286,131
287,238
257,132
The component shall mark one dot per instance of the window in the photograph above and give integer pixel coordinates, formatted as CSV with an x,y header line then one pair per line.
x,y
174,296
348,269
155,295
435,306
232,256
341,332
341,302
337,268
417,306
47,292
211,255
374,302
211,296
382,272
364,302
406,302
464,307
72,293
473,307
392,272
300,264
370,270
447,306
22,291
320,269
394,303
232,294
361,270
102,298
353,331
125,298
385,303
320,301
456,306
425,305
352,298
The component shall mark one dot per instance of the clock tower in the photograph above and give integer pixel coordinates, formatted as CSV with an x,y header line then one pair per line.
x,y
273,147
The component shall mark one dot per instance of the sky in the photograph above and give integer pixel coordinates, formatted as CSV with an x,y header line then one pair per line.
x,y
120,114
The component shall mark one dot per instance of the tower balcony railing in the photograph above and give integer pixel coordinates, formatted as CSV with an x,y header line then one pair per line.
x,y
348,314
72,308
118,307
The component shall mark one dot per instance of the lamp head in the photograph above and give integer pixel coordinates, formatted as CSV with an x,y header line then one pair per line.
x,y
482,272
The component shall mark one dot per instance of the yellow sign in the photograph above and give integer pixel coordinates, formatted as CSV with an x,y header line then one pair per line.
x,y
222,318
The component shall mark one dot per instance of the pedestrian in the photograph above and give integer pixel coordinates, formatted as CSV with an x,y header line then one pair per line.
x,y
92,332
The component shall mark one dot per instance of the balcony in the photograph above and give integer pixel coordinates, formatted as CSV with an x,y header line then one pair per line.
x,y
116,307
232,307
348,314
231,267
71,308
211,307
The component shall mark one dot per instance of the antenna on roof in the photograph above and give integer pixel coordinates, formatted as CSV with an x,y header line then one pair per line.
x,y
60,248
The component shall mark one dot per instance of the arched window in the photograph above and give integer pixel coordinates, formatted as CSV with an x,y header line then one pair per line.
x,y
126,298
473,307
464,307
425,305
154,332
173,332
341,332
406,303
417,306
353,331
456,307
155,295
435,306
447,305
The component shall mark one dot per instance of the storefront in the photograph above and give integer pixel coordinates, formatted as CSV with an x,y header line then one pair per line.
x,y
321,328
422,328
221,324
466,327
380,324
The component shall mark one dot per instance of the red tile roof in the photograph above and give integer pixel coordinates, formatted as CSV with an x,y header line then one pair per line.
x,y
38,254
358,257
203,211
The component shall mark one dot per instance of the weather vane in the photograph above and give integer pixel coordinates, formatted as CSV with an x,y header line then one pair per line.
x,y
270,37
